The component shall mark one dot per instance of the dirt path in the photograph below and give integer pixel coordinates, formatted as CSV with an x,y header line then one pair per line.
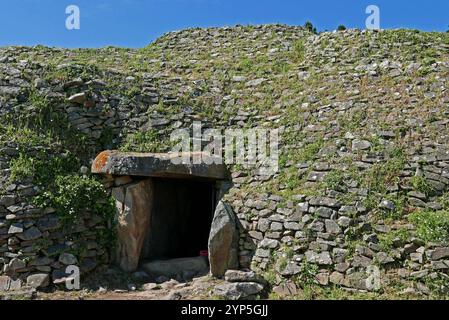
x,y
197,289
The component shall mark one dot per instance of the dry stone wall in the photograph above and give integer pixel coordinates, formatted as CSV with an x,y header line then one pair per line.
x,y
364,147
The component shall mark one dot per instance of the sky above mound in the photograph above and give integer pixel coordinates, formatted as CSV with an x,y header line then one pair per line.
x,y
135,23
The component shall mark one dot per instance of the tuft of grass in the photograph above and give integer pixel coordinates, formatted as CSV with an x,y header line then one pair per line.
x,y
298,52
307,275
420,184
431,226
379,177
386,240
270,276
438,283
42,170
335,179
310,151
149,141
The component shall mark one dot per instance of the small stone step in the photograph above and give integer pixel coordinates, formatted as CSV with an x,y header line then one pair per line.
x,y
186,268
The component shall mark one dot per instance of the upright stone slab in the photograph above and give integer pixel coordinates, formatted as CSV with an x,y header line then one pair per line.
x,y
223,241
134,208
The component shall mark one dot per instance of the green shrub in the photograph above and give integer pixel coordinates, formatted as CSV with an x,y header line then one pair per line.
x,y
42,169
309,27
22,167
42,125
25,137
73,196
431,226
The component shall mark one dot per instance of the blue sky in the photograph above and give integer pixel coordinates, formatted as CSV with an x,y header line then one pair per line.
x,y
135,23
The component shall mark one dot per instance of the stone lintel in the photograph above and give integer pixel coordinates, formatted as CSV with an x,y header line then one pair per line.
x,y
168,165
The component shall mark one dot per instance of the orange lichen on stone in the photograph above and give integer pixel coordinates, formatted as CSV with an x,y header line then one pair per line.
x,y
100,161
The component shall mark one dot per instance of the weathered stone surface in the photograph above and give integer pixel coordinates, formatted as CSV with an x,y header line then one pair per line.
x,y
324,201
176,268
384,258
438,253
9,284
15,228
417,257
50,223
16,264
68,259
263,253
238,291
4,283
276,226
360,145
324,212
244,276
32,233
289,269
357,280
7,201
238,78
344,221
41,261
255,83
387,204
263,225
322,258
292,226
39,280
361,261
119,181
322,278
134,206
268,243
78,98
336,278
342,267
286,289
317,226
439,265
150,286
332,227
223,241
158,165
256,235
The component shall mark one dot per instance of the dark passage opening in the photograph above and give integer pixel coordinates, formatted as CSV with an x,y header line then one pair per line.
x,y
181,218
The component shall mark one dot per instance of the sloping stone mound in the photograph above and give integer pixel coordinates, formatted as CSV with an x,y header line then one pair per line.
x,y
364,157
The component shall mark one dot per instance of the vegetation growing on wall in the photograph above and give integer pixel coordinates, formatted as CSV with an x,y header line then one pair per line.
x,y
355,109
51,154
432,226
